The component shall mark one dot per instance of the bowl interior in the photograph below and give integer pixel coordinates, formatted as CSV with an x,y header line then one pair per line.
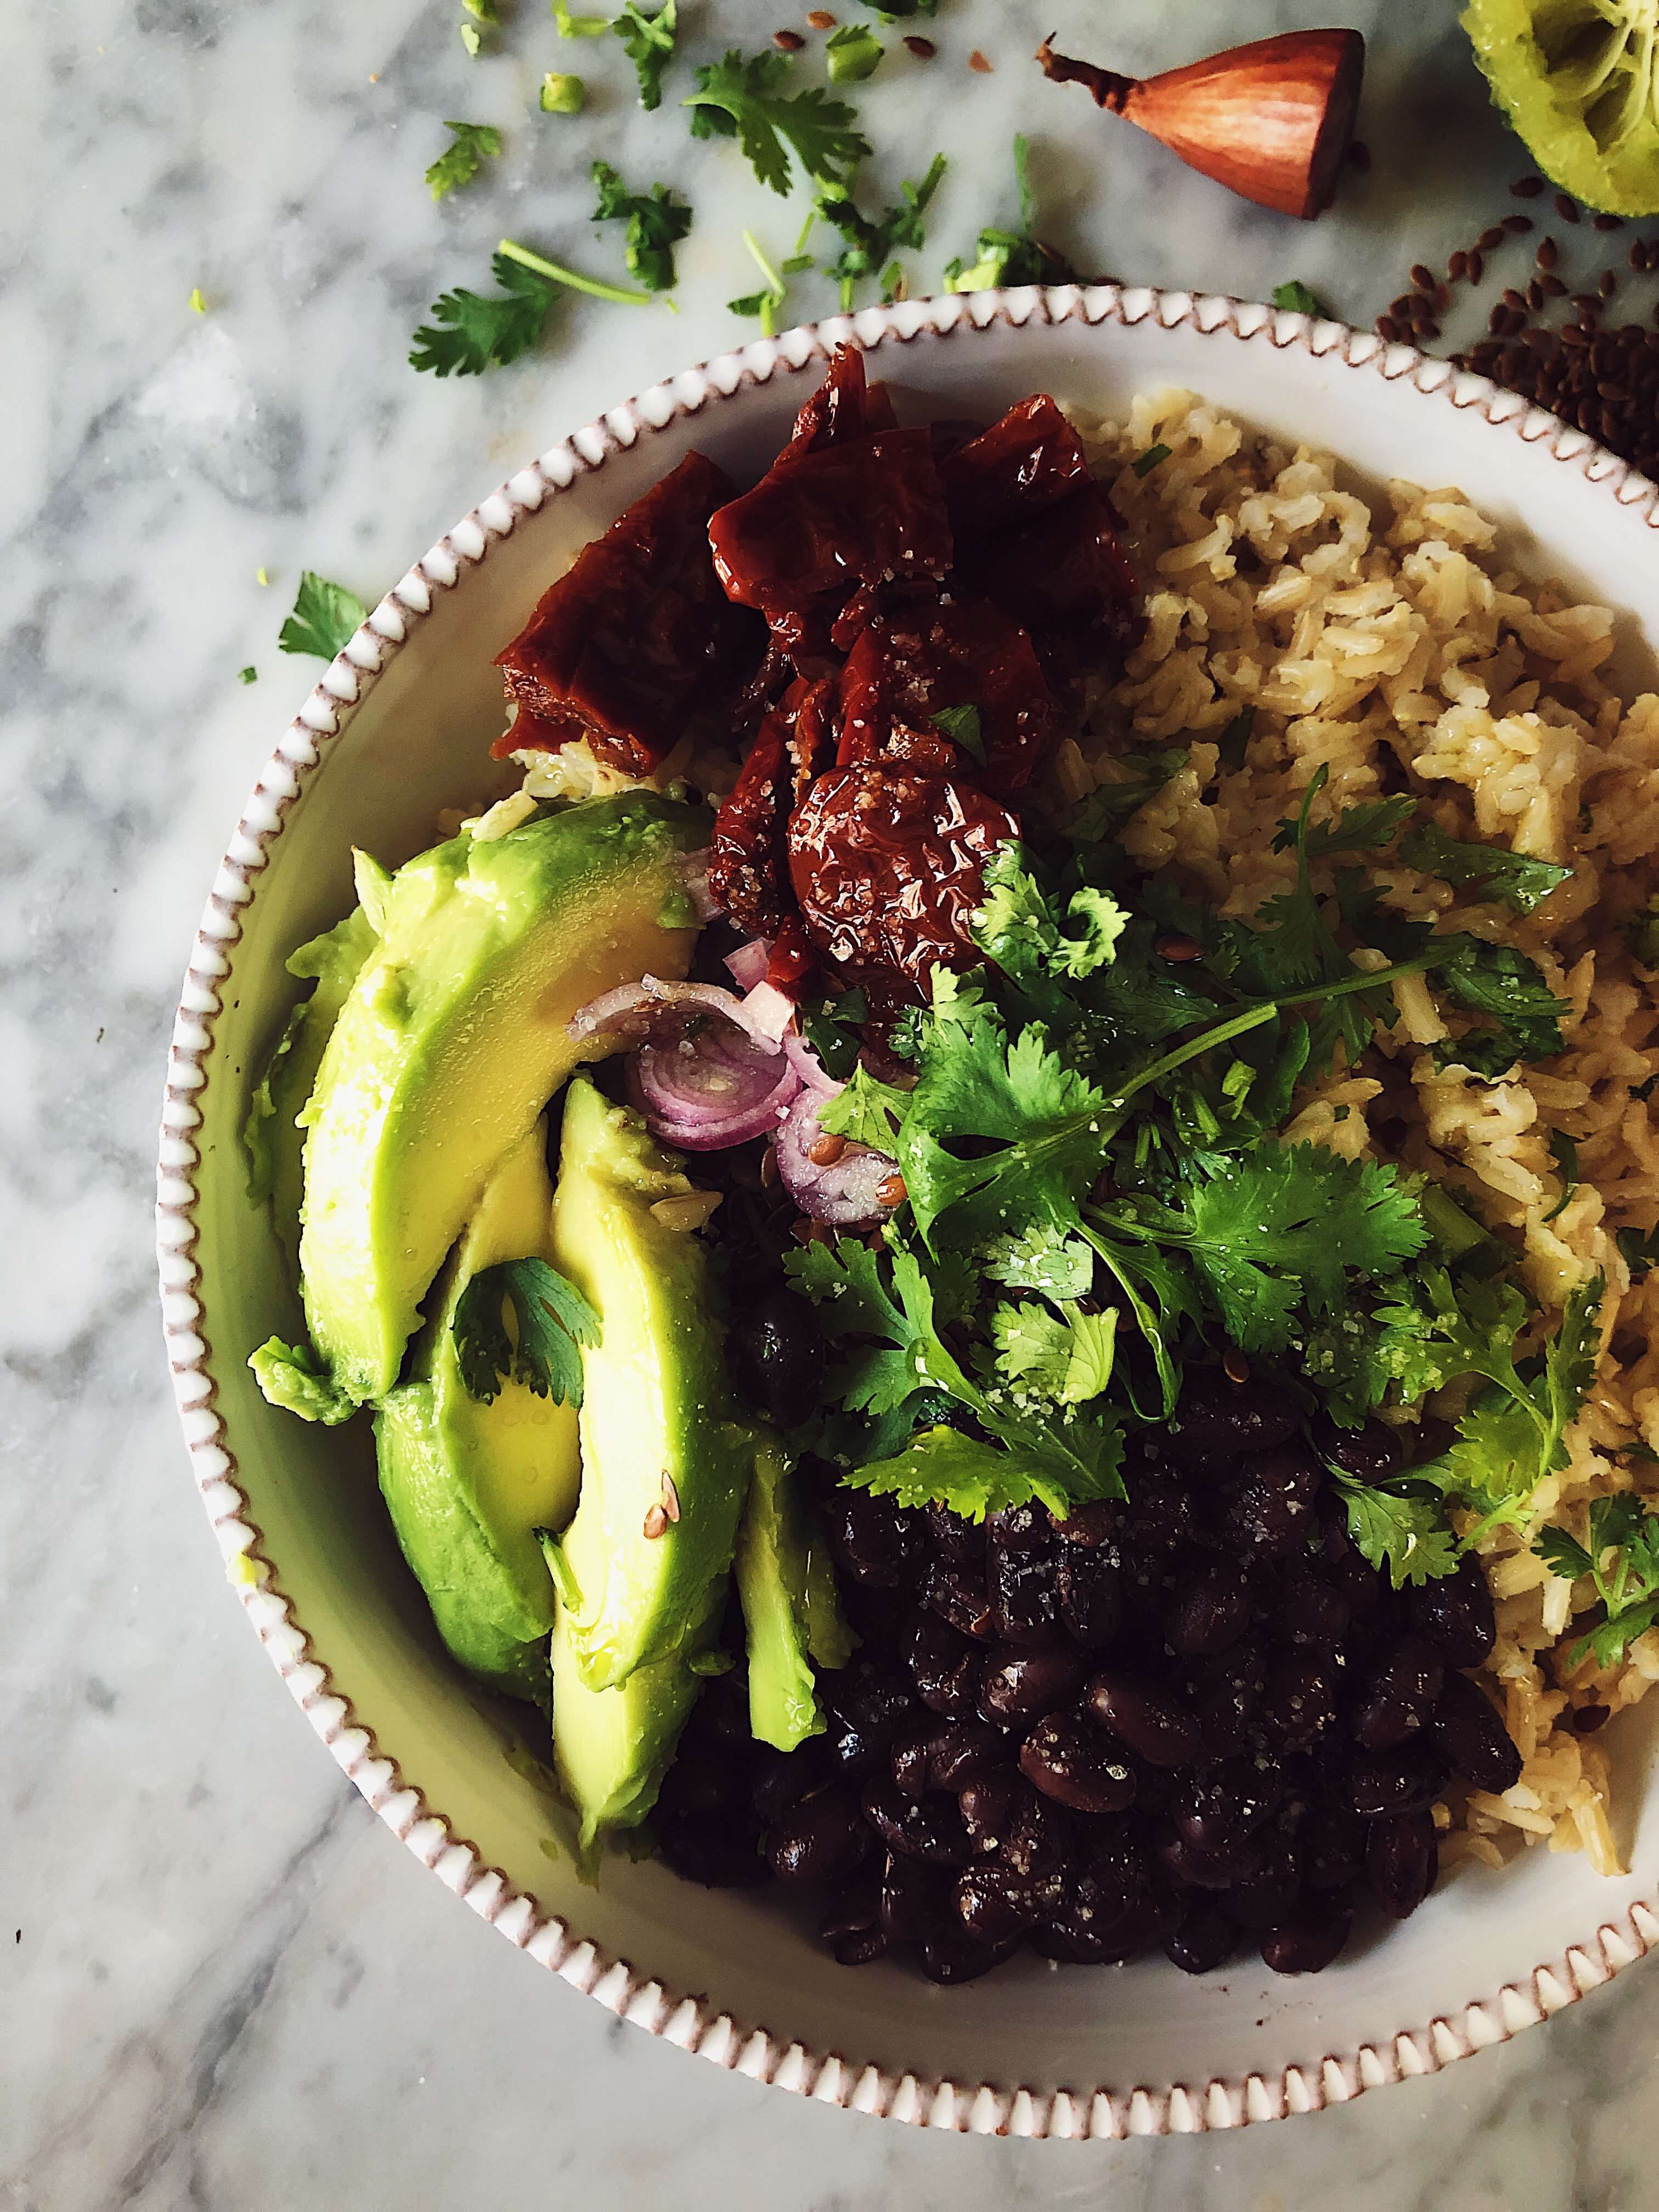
x,y
418,743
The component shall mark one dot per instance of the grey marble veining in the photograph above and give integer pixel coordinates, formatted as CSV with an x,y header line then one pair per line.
x,y
221,1983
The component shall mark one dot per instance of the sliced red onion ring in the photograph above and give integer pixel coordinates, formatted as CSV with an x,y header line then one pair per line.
x,y
637,1009
750,963
846,1194
814,1075
716,1089
767,1011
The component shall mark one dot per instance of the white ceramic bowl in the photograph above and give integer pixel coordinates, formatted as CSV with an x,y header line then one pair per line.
x,y
398,728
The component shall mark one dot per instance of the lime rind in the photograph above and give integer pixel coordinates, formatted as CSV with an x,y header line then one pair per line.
x,y
1578,81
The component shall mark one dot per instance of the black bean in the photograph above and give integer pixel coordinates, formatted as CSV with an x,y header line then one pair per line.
x,y
1468,1730
1113,1910
1311,1938
704,1786
781,1779
1315,1610
994,1903
1299,1704
1066,1759
959,1598
961,1541
911,1756
1099,1522
1040,1837
1203,1938
1197,1869
871,1539
944,1666
964,1750
1397,1701
1090,1588
1332,1847
854,1750
776,1354
1227,1699
928,1830
1019,1685
1211,1612
1022,1585
823,1840
1264,1895
914,1901
1370,1454
714,1853
1218,1420
1382,1783
1402,1857
1217,1807
1147,1721
851,1927
1455,1613
1270,1501
988,1806
956,1958
869,1696
1018,1528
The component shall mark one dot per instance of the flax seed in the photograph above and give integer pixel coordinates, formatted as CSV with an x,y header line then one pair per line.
x,y
1637,256
670,1497
823,1151
1425,329
790,41
977,61
1565,207
1175,946
1535,296
1609,284
1475,264
891,1190
1527,188
1609,223
923,49
820,19
1548,253
1552,287
655,1523
1457,265
1489,241
1422,277
1517,225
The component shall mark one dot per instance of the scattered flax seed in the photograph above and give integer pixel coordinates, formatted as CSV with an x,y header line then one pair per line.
x,y
1552,287
1422,277
977,61
1517,225
768,1169
1565,207
1404,305
820,19
790,41
1527,188
1499,322
1234,1366
823,1151
1423,328
1586,303
1638,256
1173,947
670,1497
1359,156
1489,241
655,1523
1548,253
891,1190
1385,328
1536,295
923,49
1512,298
1609,223
1474,265
1608,285
1457,265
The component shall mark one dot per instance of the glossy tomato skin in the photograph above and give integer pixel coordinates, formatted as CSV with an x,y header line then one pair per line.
x,y
888,865
1027,459
748,862
845,405
1064,574
908,666
637,636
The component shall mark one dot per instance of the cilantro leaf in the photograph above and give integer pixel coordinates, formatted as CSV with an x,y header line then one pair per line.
x,y
970,1478
291,1376
1144,464
1068,1356
551,1319
1409,1535
1012,257
1038,1260
1642,935
845,1281
833,1027
460,162
865,1110
1363,829
1641,1253
648,42
1301,301
743,98
324,618
656,221
1501,983
1141,777
961,725
469,334
1017,927
1627,1587
869,244
1520,882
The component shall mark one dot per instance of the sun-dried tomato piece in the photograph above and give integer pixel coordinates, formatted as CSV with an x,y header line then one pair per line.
x,y
855,512
913,663
1029,459
748,858
887,864
844,406
1063,571
637,636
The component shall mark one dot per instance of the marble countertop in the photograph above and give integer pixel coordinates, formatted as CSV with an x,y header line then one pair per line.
x,y
197,2008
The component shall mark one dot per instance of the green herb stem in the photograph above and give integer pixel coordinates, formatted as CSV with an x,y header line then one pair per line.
x,y
623,295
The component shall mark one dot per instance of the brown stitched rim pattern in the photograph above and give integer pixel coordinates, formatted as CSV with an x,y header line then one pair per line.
x,y
750,2049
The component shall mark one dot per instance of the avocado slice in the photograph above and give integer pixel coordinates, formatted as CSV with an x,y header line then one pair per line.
x,y
790,1609
469,1481
611,1747
452,1040
271,1135
664,1469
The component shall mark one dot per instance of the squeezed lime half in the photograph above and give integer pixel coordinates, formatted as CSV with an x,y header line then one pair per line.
x,y
1579,81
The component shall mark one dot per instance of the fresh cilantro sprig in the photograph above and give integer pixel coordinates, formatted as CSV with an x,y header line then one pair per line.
x,y
1139,777
745,98
766,302
1404,1530
473,143
870,242
648,42
1300,298
656,221
551,1320
1626,1586
324,619
469,334
1012,257
1520,882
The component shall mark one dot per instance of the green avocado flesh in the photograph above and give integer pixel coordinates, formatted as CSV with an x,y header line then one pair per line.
x,y
1578,80
272,1133
791,1614
469,1482
451,1041
665,1471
